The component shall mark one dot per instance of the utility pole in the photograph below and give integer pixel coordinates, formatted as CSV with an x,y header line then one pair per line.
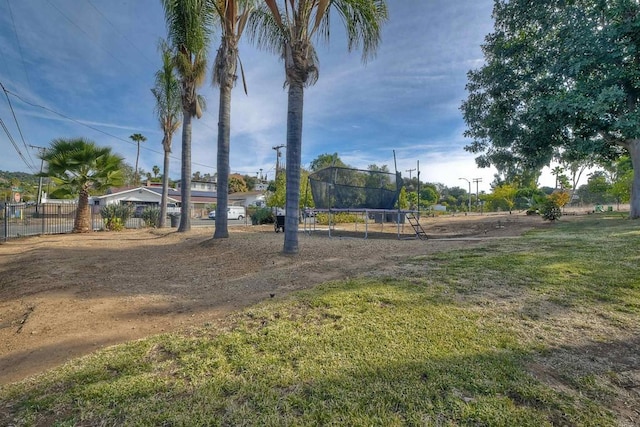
x,y
418,207
477,180
41,151
277,148
468,182
410,170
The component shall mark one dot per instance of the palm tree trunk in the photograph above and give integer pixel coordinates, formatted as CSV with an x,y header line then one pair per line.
x,y
185,175
82,223
136,177
294,159
165,188
224,131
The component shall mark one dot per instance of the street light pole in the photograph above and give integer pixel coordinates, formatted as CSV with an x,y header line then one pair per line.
x,y
468,182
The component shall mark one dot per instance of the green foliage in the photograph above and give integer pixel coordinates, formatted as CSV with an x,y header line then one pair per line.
x,y
551,208
338,218
115,216
403,200
503,197
262,216
151,217
326,160
79,165
557,77
237,184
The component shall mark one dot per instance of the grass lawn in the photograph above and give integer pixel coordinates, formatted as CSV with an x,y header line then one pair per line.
x,y
538,330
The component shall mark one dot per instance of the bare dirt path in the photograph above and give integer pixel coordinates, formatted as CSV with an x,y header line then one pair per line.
x,y
64,296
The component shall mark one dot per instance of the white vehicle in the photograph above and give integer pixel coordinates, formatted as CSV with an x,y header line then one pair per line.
x,y
233,212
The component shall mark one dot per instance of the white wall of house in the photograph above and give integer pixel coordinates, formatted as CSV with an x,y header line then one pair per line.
x,y
134,196
200,186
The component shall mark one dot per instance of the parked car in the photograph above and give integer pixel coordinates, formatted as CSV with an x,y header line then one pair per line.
x,y
233,212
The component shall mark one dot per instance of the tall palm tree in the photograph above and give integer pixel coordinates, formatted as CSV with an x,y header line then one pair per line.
x,y
233,15
188,27
78,167
168,108
287,27
137,138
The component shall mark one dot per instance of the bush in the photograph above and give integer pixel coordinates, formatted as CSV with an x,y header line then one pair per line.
x,y
151,217
550,210
339,218
262,216
116,216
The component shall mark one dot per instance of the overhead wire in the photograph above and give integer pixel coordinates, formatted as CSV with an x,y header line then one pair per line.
x,y
97,129
15,119
85,33
13,23
15,145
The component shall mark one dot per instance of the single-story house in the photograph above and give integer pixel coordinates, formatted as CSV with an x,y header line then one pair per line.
x,y
201,201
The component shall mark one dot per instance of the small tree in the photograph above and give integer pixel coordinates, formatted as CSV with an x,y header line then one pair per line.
x,y
552,207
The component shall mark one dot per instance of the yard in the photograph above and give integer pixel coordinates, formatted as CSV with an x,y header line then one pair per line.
x,y
66,296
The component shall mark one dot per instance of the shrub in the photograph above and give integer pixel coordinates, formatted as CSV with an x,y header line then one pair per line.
x,y
262,216
339,218
550,210
116,216
151,217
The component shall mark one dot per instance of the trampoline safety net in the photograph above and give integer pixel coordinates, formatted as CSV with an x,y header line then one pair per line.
x,y
346,188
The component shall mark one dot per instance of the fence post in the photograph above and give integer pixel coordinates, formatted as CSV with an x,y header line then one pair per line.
x,y
6,222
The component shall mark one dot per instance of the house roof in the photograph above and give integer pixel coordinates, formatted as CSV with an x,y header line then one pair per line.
x,y
130,193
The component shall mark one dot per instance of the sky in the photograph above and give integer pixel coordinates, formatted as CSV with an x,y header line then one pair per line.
x,y
85,69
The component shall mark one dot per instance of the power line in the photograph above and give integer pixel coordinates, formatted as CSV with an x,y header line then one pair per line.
x,y
96,129
15,119
13,22
118,31
13,142
85,33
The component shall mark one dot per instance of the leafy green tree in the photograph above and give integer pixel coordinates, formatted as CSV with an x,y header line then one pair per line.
x,y
504,196
428,195
137,138
156,170
79,167
188,26
288,28
277,198
326,160
168,109
403,199
232,16
557,75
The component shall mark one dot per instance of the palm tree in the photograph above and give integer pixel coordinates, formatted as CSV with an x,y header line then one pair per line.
x,y
557,171
156,170
233,15
137,138
168,109
188,26
78,167
287,28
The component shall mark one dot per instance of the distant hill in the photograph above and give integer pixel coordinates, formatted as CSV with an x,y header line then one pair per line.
x,y
23,178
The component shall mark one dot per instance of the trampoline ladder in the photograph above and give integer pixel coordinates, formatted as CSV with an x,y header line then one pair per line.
x,y
420,234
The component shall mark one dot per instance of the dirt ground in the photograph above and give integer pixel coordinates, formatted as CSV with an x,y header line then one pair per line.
x,y
63,296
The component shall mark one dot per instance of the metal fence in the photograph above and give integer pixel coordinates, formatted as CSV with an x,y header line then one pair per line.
x,y
22,219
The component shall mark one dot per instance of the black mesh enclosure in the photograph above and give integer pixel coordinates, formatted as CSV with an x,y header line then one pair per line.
x,y
345,188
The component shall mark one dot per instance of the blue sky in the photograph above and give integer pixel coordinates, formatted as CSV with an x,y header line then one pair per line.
x,y
93,62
